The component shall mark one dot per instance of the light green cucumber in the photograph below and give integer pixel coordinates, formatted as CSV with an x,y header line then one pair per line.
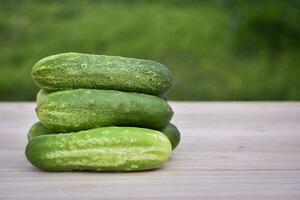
x,y
100,149
81,109
41,96
170,131
77,70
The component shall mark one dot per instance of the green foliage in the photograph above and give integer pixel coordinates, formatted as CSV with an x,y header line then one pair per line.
x,y
217,50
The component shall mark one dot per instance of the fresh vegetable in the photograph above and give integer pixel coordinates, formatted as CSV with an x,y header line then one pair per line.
x,y
81,109
170,131
37,129
100,149
77,70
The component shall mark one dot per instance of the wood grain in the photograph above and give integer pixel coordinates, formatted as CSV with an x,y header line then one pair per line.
x,y
228,151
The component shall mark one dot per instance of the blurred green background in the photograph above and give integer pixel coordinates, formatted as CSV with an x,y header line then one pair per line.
x,y
217,50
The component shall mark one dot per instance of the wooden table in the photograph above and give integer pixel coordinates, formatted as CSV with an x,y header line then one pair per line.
x,y
228,151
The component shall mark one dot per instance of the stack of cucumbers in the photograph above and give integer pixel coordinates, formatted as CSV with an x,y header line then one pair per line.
x,y
101,113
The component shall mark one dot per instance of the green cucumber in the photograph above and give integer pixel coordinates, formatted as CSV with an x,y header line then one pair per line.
x,y
41,96
100,149
81,109
77,70
37,129
170,131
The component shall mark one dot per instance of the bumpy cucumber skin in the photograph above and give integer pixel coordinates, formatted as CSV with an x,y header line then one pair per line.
x,y
37,129
100,149
172,132
77,70
82,109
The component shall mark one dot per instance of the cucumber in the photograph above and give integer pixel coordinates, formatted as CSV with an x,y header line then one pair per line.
x,y
77,70
37,129
81,109
170,131
100,149
41,96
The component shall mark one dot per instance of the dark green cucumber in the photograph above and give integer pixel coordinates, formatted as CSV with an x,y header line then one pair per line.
x,y
81,109
77,70
170,131
100,149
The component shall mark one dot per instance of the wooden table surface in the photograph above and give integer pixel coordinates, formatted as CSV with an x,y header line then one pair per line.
x,y
228,151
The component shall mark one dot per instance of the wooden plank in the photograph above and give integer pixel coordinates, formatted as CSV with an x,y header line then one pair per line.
x,y
162,184
228,151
